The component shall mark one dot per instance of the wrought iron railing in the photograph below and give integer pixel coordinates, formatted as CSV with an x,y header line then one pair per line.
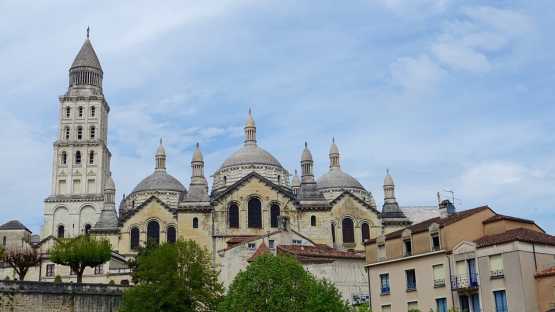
x,y
439,283
465,281
385,290
496,274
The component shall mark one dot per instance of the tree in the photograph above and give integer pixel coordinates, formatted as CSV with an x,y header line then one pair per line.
x,y
81,252
21,259
173,277
280,283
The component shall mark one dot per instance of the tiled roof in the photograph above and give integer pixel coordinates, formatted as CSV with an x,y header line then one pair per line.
x,y
261,250
318,251
13,225
547,272
519,234
499,217
423,226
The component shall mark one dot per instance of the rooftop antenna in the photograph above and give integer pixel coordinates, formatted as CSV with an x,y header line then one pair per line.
x,y
452,195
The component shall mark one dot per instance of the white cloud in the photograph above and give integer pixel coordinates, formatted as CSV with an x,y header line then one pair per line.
x,y
461,57
418,75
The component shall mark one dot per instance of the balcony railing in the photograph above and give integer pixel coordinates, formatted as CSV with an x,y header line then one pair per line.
x,y
496,274
439,283
466,281
385,290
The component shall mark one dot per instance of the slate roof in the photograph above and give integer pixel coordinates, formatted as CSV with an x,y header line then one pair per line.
x,y
86,57
337,178
250,154
160,180
518,234
499,217
14,225
287,192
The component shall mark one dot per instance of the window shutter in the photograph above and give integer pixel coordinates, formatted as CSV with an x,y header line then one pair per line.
x,y
439,273
496,263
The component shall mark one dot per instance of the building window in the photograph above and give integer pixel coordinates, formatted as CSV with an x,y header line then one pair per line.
x,y
439,275
500,301
134,238
171,236
68,111
274,215
79,133
80,109
251,246
254,213
225,180
92,132
271,244
278,179
408,247
91,157
4,241
496,266
386,308
78,158
50,270
195,223
435,242
63,158
61,231
365,231
313,221
87,229
233,215
124,282
384,284
153,233
412,306
441,304
333,233
411,279
98,269
348,231
66,133
297,242
93,111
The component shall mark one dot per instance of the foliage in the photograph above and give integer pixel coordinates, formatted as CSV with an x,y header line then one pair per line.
x,y
81,252
58,279
362,308
280,283
173,277
21,259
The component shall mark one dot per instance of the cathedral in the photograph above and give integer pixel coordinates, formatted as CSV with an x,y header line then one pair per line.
x,y
251,195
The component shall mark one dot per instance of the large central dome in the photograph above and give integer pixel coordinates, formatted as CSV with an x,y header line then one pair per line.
x,y
249,158
159,181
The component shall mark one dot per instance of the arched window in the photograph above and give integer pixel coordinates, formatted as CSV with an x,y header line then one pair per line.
x,y
348,231
365,231
63,158
279,179
333,233
92,132
61,231
79,133
233,215
134,238
153,233
274,214
255,213
93,111
171,237
195,223
91,157
80,111
313,220
87,229
66,133
78,158
68,111
225,180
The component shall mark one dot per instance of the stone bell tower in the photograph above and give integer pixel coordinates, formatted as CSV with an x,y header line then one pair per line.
x,y
81,159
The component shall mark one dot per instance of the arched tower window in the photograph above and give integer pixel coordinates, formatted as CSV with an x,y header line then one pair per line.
x,y
225,180
274,214
233,215
63,158
92,132
171,236
153,233
93,111
78,157
68,111
365,231
333,233
66,133
313,221
134,238
61,231
279,179
195,223
79,133
348,231
91,157
80,109
87,229
255,213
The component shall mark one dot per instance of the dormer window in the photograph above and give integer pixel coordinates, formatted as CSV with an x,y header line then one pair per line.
x,y
408,247
435,242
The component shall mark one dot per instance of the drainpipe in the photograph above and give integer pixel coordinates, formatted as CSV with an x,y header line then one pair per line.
x,y
369,291
535,260
450,284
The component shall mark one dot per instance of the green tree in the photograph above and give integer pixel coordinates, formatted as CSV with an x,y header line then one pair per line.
x,y
21,259
173,277
81,252
280,283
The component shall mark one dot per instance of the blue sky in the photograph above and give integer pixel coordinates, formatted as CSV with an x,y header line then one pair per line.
x,y
448,94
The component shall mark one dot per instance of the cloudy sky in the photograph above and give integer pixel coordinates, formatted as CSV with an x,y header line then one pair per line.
x,y
450,95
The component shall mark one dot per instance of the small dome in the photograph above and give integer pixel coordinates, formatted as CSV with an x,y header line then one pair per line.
x,y
333,148
160,181
250,154
161,151
110,185
388,180
296,181
307,155
197,155
250,120
336,178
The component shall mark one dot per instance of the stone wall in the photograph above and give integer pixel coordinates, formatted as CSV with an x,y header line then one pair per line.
x,y
17,296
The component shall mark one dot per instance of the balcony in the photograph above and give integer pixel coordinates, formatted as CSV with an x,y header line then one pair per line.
x,y
466,281
385,290
496,274
438,283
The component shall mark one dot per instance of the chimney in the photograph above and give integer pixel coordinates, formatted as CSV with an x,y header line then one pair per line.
x,y
446,208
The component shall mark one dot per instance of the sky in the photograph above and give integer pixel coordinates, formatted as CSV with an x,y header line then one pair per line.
x,y
449,95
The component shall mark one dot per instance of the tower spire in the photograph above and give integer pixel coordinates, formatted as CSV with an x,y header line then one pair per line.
x,y
250,129
334,155
307,164
160,157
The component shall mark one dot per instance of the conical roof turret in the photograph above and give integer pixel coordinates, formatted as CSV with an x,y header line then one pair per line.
x,y
86,56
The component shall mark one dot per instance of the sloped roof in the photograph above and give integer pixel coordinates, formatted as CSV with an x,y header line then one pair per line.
x,y
287,192
499,217
14,225
356,198
86,57
318,251
518,234
417,214
547,272
337,178
159,180
128,214
261,250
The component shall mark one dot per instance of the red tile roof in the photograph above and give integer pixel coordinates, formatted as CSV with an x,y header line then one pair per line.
x,y
547,272
318,251
261,250
519,234
499,217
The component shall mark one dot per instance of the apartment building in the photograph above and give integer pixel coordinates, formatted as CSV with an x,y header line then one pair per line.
x,y
473,260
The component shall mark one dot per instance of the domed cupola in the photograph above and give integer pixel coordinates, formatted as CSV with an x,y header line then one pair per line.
x,y
160,183
336,181
249,158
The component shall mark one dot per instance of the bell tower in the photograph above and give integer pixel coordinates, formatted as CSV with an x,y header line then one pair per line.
x,y
81,159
